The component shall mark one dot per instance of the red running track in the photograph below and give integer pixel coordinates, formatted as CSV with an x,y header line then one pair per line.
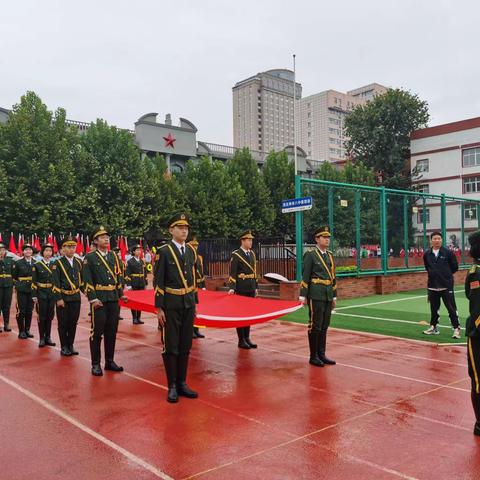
x,y
390,409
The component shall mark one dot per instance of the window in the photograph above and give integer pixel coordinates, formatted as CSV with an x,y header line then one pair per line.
x,y
471,157
423,188
471,184
422,165
420,215
176,168
470,211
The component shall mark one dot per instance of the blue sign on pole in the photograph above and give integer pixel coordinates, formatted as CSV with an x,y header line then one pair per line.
x,y
297,204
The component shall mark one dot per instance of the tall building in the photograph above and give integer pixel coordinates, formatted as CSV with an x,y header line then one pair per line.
x,y
263,111
445,159
321,117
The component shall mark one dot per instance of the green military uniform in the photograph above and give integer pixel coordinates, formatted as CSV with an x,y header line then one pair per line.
x,y
102,277
136,279
472,328
67,285
6,289
319,286
22,278
175,293
42,291
243,281
200,279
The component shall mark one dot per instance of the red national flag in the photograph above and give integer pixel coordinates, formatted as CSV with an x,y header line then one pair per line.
x,y
123,247
20,242
36,243
55,245
79,249
141,249
1,239
50,239
12,247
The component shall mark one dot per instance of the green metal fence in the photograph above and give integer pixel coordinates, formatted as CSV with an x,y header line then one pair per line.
x,y
378,230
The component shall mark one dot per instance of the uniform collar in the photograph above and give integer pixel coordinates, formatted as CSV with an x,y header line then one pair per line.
x,y
179,245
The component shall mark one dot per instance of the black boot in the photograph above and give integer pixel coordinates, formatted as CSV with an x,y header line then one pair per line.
x,y
476,408
97,370
139,313
182,388
170,363
41,343
313,344
196,333
246,333
72,350
6,326
28,334
49,342
65,352
111,365
242,343
322,345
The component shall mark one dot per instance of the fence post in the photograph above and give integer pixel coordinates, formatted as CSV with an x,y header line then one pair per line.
x,y
298,230
444,218
405,230
383,229
424,223
462,213
357,229
330,216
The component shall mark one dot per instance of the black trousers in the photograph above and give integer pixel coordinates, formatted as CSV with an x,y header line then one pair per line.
x,y
136,314
178,331
104,324
473,358
46,312
448,297
24,311
67,317
5,304
244,332
320,313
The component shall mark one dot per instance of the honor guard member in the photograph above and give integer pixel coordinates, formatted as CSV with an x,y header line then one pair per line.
x,y
472,328
174,283
22,277
67,285
319,288
102,276
6,286
243,280
136,277
43,295
200,280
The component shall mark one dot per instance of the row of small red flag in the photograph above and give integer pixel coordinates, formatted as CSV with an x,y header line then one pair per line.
x,y
83,243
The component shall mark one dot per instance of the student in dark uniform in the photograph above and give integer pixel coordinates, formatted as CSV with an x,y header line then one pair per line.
x,y
136,277
175,285
243,280
200,279
103,283
43,296
6,286
67,285
319,290
472,328
22,277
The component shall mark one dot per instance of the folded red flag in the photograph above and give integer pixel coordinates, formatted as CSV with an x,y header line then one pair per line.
x,y
220,310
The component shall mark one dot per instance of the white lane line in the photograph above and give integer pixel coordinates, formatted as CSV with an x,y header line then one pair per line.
x,y
387,301
65,416
396,320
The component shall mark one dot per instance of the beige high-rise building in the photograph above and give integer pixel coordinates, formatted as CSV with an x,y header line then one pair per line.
x,y
263,110
320,121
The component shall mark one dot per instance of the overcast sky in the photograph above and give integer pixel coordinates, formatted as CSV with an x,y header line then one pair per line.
x,y
119,59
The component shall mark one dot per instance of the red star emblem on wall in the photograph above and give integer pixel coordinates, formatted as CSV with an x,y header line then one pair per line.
x,y
169,140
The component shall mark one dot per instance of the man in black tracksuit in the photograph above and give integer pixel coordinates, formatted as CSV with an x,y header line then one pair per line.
x,y
441,264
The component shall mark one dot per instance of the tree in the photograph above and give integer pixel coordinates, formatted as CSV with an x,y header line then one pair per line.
x,y
379,134
244,167
279,176
216,200
34,155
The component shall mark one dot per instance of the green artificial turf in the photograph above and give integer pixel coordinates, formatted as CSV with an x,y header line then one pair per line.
x,y
409,307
